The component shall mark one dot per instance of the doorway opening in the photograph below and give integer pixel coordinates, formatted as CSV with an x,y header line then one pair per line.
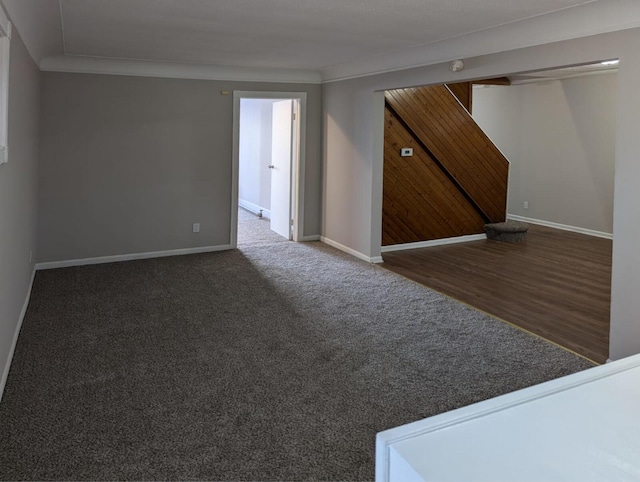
x,y
268,165
558,129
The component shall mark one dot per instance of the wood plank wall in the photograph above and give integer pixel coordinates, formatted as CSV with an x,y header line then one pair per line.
x,y
464,92
419,202
456,180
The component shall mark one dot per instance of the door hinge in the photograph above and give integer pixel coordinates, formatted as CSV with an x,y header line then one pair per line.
x,y
294,116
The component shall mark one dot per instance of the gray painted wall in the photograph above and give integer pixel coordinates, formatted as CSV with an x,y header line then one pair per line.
x,y
560,139
129,163
18,196
352,201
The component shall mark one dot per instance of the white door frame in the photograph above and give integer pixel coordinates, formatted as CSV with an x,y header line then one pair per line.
x,y
298,159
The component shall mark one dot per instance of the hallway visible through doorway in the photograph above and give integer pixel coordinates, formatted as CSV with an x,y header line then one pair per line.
x,y
255,231
267,143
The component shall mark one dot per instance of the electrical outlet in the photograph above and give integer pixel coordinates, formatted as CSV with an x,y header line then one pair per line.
x,y
526,204
196,227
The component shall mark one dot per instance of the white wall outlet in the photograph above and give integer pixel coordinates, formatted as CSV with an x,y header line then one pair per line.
x,y
526,204
406,151
196,227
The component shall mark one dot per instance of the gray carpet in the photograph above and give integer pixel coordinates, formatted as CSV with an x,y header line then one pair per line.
x,y
255,231
277,361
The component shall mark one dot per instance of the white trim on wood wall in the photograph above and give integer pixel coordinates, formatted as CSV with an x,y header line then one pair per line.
x,y
434,242
564,227
352,252
254,208
16,334
130,257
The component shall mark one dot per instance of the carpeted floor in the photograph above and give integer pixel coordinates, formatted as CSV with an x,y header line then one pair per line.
x,y
255,231
276,361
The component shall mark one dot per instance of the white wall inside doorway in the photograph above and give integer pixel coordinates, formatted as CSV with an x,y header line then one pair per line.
x,y
254,181
295,186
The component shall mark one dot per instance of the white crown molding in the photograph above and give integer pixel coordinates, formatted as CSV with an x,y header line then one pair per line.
x,y
142,68
44,39
580,21
39,26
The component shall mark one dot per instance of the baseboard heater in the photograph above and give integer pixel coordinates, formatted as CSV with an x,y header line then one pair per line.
x,y
255,209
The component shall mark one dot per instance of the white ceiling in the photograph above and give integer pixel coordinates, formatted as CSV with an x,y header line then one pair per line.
x,y
336,37
293,34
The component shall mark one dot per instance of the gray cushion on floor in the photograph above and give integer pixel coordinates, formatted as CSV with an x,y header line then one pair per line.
x,y
509,231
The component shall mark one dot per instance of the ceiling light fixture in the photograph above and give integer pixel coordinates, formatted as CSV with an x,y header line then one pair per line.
x,y
610,62
456,65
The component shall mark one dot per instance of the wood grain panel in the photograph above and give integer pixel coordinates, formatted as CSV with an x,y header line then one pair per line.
x,y
557,284
435,116
494,81
463,152
463,92
419,202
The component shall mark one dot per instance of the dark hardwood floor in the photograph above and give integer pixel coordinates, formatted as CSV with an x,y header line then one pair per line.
x,y
557,284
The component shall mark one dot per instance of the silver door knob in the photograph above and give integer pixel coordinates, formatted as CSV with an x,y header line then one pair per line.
x,y
271,166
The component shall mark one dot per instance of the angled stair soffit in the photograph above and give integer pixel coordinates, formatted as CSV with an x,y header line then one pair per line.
x,y
564,73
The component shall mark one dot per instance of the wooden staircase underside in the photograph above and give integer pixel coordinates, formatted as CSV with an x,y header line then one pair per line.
x,y
456,180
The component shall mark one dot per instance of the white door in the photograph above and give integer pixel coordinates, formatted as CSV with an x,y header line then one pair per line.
x,y
281,151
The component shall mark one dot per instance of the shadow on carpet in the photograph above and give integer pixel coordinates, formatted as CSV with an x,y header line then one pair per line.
x,y
277,362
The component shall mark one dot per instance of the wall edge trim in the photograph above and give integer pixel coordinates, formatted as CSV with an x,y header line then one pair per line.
x,y
564,227
433,242
351,251
129,257
174,70
16,334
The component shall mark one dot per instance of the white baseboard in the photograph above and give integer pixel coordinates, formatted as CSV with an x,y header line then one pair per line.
x,y
434,242
306,239
130,257
16,333
352,252
254,208
564,227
